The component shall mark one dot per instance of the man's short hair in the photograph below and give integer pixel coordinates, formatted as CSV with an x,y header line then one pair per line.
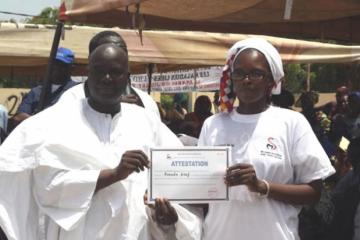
x,y
96,40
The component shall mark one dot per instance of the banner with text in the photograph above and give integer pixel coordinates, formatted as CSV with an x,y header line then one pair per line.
x,y
201,79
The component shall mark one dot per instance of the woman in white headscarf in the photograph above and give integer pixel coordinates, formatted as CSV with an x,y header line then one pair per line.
x,y
277,163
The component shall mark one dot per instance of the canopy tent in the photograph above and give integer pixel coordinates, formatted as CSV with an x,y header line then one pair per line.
x,y
331,19
29,45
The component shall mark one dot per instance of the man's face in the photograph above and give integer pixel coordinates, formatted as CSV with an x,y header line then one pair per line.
x,y
108,75
60,73
341,96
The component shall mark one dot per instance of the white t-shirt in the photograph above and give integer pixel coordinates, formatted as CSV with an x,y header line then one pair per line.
x,y
281,146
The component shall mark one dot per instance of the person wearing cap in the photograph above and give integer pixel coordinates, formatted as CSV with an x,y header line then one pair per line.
x,y
60,82
277,163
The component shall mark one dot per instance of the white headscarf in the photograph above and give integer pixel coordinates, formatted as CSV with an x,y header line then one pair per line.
x,y
272,56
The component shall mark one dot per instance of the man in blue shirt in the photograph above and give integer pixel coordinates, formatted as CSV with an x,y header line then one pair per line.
x,y
60,82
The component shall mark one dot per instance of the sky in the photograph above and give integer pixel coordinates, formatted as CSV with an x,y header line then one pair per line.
x,y
32,7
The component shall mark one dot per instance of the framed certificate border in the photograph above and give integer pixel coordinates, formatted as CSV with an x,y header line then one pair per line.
x,y
190,150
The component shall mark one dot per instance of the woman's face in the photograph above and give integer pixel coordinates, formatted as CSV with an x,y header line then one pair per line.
x,y
251,77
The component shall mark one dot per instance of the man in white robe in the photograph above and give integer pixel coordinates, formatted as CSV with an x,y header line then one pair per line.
x,y
78,92
79,170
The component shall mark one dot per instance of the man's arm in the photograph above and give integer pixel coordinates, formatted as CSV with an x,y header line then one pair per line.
x,y
30,101
131,161
66,195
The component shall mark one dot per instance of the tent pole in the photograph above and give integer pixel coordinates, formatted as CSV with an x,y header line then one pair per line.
x,y
288,9
308,77
45,91
150,68
12,74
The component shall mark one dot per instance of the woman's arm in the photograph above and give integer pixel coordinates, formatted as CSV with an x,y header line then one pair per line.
x,y
244,174
296,194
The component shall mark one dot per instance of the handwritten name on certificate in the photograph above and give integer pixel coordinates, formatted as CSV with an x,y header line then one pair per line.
x,y
189,174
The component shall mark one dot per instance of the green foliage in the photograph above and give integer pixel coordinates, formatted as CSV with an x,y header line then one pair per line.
x,y
323,77
329,76
48,15
18,82
295,77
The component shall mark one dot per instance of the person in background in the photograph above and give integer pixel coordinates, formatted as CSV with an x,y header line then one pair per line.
x,y
3,123
347,125
185,132
202,110
352,116
284,100
318,120
314,220
277,162
346,198
178,111
60,82
339,106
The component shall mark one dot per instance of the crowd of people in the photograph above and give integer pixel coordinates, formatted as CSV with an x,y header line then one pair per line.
x,y
78,169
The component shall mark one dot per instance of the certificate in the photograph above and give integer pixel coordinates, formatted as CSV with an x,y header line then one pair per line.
x,y
189,174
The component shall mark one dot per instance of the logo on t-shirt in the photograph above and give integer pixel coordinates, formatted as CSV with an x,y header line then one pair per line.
x,y
270,145
271,149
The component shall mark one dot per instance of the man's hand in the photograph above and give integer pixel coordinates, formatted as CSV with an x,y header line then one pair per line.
x,y
131,161
134,160
165,214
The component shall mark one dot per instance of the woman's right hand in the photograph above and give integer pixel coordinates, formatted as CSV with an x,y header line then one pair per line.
x,y
245,174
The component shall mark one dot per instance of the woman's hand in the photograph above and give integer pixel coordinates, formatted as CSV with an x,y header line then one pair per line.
x,y
244,174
